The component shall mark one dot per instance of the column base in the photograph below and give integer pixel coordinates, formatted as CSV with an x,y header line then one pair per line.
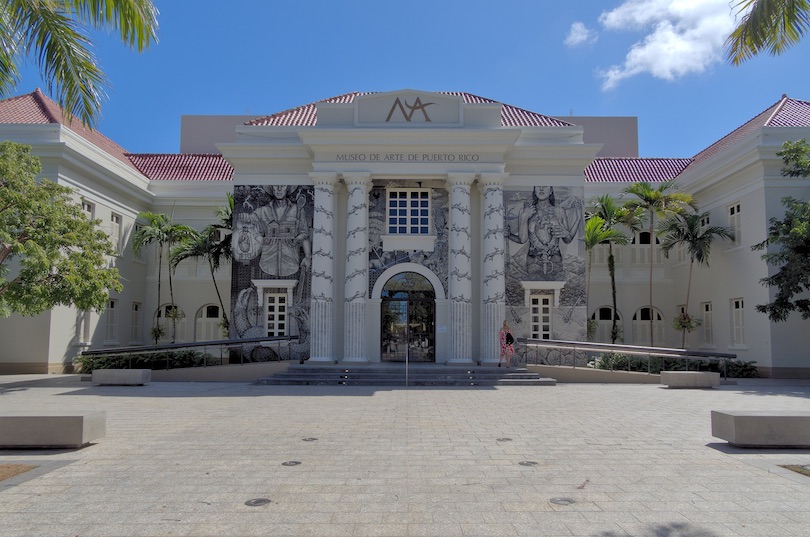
x,y
357,360
459,361
321,360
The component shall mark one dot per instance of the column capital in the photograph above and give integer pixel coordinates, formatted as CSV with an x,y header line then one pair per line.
x,y
460,178
493,179
324,178
354,178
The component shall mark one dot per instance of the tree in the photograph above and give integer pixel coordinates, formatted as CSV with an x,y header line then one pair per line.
x,y
203,245
54,33
164,233
598,232
662,200
59,256
687,229
791,235
796,156
772,26
613,215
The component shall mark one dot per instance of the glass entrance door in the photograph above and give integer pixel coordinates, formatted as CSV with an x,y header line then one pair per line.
x,y
408,319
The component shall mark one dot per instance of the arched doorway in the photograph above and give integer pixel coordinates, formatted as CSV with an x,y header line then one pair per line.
x,y
408,330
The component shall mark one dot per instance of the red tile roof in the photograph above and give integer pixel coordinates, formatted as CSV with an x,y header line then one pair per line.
x,y
306,115
183,167
786,112
36,108
628,170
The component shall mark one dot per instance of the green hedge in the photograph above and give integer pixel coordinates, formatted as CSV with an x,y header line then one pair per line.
x,y
150,360
623,362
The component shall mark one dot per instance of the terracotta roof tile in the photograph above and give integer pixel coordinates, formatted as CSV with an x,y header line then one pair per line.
x,y
182,167
37,108
628,170
306,115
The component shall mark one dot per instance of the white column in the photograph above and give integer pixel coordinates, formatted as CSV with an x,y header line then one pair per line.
x,y
322,304
356,285
494,273
459,280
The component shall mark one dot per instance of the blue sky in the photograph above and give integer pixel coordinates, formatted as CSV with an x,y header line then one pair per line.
x,y
659,60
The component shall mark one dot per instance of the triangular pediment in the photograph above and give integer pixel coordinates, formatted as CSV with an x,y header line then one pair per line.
x,y
409,107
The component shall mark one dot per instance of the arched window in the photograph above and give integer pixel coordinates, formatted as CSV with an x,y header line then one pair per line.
x,y
604,324
641,326
208,323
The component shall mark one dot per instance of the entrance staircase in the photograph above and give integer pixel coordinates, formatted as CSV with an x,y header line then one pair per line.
x,y
395,375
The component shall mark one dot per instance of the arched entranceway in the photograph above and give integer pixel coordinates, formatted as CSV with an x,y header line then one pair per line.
x,y
408,331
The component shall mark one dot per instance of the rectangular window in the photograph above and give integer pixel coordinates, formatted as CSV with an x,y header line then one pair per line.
x,y
84,331
735,223
275,312
135,229
680,253
409,211
708,330
135,334
115,231
541,315
89,209
737,322
704,222
111,332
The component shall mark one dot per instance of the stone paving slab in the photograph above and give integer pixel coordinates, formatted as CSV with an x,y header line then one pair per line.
x,y
181,459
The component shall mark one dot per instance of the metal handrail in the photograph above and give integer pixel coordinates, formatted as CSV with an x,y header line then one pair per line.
x,y
228,344
637,350
169,346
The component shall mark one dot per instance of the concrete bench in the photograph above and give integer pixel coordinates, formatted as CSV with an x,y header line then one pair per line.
x,y
122,377
690,379
771,429
50,429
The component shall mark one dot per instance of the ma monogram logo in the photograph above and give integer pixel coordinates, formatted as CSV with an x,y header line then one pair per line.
x,y
412,108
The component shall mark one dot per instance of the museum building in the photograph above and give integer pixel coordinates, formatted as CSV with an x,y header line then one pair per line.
x,y
409,225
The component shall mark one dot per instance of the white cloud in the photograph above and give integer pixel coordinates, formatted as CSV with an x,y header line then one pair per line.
x,y
579,34
680,37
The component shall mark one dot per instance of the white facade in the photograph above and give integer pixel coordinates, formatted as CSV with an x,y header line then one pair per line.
x,y
502,192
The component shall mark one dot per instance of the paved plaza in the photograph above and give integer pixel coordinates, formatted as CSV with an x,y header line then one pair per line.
x,y
186,459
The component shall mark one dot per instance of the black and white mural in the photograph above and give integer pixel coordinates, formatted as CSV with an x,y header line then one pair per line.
x,y
272,241
545,243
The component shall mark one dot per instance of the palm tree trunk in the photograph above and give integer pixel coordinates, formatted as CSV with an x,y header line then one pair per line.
x,y
652,251
160,273
612,270
686,306
174,308
588,282
225,321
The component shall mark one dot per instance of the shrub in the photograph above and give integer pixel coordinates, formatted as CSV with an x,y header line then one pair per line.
x,y
146,360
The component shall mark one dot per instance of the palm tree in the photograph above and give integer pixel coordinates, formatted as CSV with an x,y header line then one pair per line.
x,y
161,231
661,200
767,25
598,232
224,224
687,229
55,35
613,214
202,245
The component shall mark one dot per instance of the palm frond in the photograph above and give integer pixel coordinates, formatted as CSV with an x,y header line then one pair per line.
x,y
771,26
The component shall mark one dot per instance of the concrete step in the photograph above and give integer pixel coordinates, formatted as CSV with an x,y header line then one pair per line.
x,y
395,375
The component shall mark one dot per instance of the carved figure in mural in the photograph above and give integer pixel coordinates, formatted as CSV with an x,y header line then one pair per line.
x,y
277,232
542,225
